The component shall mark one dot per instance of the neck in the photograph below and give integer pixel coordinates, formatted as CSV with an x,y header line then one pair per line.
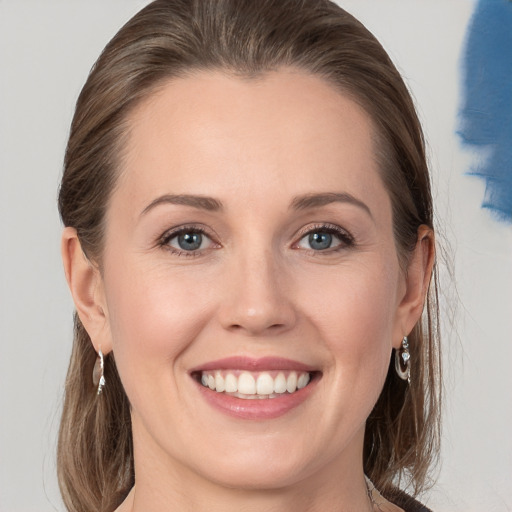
x,y
163,485
276,501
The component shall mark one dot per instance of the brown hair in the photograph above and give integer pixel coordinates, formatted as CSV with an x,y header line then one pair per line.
x,y
169,38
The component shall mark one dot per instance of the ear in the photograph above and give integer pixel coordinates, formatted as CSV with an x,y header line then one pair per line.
x,y
417,280
86,286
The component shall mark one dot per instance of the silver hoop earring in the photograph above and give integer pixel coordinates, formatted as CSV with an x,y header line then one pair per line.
x,y
98,372
403,361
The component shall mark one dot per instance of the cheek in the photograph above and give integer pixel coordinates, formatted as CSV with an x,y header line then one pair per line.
x,y
154,314
355,303
354,309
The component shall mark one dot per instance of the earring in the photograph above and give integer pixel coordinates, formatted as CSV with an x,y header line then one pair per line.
x,y
98,377
403,358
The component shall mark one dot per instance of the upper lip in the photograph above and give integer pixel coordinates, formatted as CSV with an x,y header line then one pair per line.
x,y
254,365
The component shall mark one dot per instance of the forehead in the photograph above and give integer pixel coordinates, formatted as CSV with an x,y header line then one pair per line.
x,y
220,135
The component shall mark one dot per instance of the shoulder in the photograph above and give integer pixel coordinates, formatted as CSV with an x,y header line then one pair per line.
x,y
396,500
409,504
127,504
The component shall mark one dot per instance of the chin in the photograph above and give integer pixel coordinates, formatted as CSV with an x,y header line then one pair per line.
x,y
258,463
262,474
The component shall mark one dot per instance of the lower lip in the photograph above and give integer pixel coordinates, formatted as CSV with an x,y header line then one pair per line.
x,y
256,409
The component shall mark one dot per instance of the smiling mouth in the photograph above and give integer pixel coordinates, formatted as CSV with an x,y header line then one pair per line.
x,y
250,385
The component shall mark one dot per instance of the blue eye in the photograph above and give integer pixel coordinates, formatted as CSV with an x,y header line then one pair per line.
x,y
320,241
187,241
323,238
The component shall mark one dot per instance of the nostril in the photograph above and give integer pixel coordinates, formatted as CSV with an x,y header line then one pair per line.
x,y
257,329
276,327
257,315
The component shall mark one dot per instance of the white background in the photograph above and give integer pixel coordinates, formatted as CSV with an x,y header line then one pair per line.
x,y
46,50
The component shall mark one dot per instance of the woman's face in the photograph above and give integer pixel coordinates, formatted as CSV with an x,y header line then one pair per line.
x,y
249,246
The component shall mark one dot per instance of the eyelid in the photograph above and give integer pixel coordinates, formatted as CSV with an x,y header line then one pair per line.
x,y
346,239
167,236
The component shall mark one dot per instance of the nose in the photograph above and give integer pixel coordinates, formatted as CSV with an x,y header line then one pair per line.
x,y
257,298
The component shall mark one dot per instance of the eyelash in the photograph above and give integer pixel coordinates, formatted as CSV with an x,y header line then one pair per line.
x,y
164,241
346,239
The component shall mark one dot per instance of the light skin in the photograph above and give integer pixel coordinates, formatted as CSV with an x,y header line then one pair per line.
x,y
280,158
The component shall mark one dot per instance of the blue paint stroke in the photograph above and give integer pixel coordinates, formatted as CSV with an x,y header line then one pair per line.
x,y
486,112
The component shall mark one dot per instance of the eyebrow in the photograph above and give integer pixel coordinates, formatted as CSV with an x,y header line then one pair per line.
x,y
315,200
302,202
200,202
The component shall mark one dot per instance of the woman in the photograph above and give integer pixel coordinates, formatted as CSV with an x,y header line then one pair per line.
x,y
249,244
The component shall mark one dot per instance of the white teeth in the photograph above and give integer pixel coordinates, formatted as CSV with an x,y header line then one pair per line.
x,y
302,381
254,385
280,383
231,383
246,384
219,382
291,382
264,384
